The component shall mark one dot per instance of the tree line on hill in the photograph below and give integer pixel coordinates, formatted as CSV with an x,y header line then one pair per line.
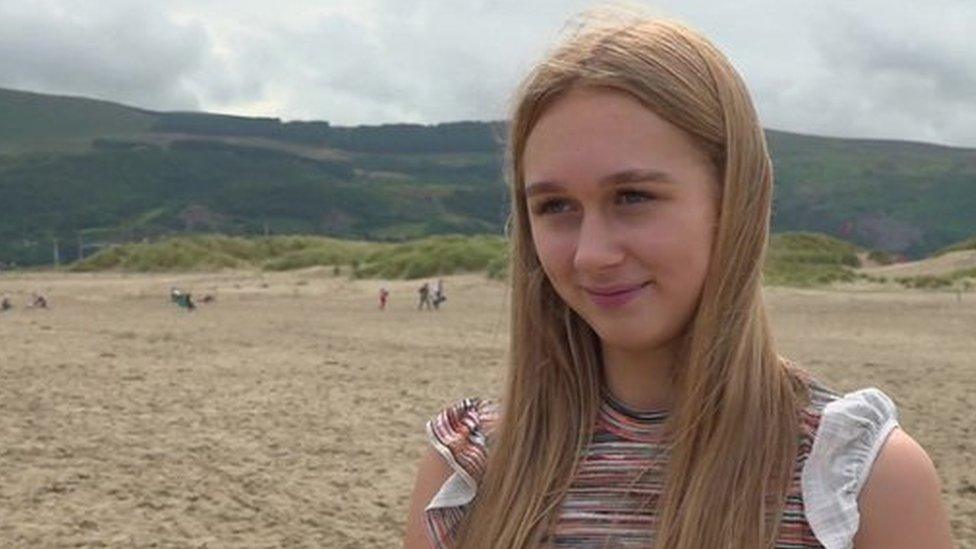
x,y
452,137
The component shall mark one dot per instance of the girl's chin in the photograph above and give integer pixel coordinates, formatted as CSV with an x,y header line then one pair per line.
x,y
639,332
631,342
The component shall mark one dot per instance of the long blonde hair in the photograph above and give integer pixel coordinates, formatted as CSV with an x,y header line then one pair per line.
x,y
734,427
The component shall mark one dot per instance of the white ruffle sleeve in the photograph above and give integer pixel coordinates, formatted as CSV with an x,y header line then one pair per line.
x,y
852,431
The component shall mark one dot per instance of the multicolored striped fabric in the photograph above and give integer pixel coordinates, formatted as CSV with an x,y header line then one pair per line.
x,y
619,479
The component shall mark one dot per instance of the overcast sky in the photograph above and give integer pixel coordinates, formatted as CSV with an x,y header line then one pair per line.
x,y
867,68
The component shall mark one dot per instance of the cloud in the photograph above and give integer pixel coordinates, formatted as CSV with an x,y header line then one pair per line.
x,y
393,61
873,70
892,69
112,50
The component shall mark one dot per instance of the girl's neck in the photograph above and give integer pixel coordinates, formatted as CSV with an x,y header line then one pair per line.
x,y
641,380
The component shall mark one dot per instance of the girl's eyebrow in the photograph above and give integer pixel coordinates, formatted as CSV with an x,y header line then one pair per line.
x,y
617,178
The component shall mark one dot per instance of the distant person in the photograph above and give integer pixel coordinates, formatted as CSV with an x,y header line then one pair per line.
x,y
439,296
5,304
182,299
647,404
384,294
186,301
424,292
37,301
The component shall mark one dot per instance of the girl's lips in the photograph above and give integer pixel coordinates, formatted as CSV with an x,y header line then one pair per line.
x,y
617,296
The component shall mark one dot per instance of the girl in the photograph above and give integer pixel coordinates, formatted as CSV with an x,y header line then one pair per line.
x,y
646,405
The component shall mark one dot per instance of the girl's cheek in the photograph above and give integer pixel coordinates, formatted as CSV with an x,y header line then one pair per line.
x,y
564,247
547,252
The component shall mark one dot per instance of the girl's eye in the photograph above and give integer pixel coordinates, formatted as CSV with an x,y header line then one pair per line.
x,y
634,197
561,205
552,206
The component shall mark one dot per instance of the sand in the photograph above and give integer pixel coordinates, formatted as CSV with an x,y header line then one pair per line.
x,y
290,412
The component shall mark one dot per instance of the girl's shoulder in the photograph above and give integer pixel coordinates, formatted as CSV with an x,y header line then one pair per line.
x,y
460,434
845,433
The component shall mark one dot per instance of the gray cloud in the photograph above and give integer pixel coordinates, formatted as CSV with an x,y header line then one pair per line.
x,y
113,50
867,69
876,69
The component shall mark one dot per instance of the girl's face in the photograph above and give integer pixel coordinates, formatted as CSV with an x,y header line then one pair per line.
x,y
622,208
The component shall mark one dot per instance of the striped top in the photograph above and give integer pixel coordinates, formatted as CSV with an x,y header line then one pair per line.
x,y
611,499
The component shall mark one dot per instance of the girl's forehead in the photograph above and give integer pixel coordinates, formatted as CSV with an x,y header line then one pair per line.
x,y
594,134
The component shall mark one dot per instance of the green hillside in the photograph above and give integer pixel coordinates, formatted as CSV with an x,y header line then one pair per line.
x,y
85,174
33,122
908,198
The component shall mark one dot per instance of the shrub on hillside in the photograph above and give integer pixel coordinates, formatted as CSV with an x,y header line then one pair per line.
x,y
169,255
924,281
800,247
881,257
809,259
497,268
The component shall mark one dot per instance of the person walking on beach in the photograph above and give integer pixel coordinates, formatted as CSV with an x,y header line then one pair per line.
x,y
384,294
424,292
646,401
439,296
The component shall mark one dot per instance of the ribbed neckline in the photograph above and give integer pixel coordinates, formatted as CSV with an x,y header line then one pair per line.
x,y
644,417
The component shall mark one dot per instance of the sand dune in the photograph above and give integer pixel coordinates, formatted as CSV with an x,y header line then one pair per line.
x,y
939,265
290,412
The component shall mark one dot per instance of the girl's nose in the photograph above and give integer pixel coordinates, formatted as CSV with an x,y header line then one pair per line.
x,y
596,247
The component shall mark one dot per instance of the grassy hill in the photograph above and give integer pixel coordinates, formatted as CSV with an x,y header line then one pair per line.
x,y
85,174
902,197
33,122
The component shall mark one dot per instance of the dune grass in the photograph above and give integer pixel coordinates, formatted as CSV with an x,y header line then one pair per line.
x,y
440,255
215,252
437,255
809,259
178,254
793,259
962,279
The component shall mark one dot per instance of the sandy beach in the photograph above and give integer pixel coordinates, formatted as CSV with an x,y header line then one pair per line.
x,y
290,412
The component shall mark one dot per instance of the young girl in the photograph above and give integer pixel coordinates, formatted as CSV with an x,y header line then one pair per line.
x,y
646,405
